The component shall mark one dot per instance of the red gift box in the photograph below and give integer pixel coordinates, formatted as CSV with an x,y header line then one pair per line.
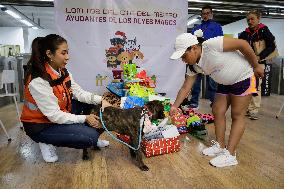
x,y
160,146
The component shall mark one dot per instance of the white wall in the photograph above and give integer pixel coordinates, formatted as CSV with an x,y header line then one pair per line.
x,y
12,36
32,34
276,26
22,37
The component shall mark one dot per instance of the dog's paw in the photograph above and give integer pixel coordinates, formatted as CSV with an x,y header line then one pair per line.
x,y
144,168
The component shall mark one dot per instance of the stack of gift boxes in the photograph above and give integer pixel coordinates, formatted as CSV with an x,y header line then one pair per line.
x,y
135,86
132,81
189,120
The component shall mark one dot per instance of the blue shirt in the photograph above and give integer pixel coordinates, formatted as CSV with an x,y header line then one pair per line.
x,y
210,29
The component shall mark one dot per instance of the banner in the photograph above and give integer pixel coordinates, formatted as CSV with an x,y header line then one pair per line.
x,y
104,35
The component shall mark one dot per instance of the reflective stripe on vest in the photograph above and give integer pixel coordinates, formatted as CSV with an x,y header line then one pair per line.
x,y
30,105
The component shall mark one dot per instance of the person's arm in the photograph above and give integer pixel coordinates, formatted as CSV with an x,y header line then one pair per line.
x,y
231,44
184,90
82,95
269,44
47,103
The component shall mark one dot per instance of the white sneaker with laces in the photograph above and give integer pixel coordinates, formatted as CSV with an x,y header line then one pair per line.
x,y
102,143
214,150
48,152
224,160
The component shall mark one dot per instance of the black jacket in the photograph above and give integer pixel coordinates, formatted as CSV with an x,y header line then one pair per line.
x,y
262,33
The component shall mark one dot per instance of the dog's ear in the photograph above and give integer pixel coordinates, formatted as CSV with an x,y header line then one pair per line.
x,y
156,108
111,98
95,110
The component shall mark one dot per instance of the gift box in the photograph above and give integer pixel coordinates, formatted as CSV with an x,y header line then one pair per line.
x,y
133,101
179,119
112,87
182,129
160,146
117,74
207,118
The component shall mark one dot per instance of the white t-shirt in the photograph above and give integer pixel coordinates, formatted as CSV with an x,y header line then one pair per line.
x,y
225,68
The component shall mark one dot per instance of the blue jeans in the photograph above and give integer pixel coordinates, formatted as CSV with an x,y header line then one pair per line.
x,y
210,92
78,135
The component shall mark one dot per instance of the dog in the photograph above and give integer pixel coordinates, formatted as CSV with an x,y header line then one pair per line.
x,y
127,122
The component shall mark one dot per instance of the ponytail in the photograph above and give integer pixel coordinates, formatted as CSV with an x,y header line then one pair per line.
x,y
34,60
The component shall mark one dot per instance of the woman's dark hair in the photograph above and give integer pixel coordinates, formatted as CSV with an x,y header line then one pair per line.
x,y
200,41
207,7
36,64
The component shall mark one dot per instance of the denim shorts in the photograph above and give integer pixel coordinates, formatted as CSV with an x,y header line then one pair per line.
x,y
241,88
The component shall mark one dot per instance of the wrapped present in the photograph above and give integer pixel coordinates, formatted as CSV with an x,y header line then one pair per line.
x,y
129,71
133,101
207,118
112,87
167,105
193,120
117,74
183,129
178,119
118,85
160,146
136,90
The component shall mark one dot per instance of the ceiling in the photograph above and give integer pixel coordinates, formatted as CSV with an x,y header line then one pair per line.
x,y
225,11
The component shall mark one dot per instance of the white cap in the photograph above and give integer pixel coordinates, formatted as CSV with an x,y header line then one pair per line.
x,y
183,41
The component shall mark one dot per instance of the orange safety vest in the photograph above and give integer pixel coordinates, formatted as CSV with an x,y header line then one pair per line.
x,y
62,90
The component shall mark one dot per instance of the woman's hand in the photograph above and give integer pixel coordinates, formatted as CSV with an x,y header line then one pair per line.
x,y
258,71
93,121
173,110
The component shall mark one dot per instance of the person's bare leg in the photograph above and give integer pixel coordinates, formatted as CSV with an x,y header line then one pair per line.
x,y
219,109
239,105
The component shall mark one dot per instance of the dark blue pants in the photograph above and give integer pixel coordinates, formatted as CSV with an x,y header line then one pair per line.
x,y
210,92
79,135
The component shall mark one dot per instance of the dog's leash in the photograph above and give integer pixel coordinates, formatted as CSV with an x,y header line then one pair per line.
x,y
115,138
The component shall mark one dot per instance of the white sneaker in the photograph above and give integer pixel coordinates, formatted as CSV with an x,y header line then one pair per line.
x,y
102,143
224,160
48,152
214,150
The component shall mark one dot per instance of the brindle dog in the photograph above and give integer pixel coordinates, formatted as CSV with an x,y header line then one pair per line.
x,y
127,122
